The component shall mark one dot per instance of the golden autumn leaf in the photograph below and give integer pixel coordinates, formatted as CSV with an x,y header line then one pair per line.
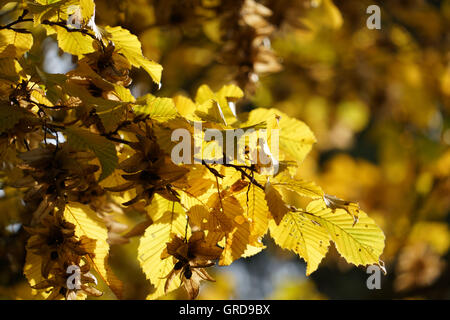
x,y
87,9
301,187
32,271
74,43
14,44
171,220
296,138
303,236
253,202
90,169
161,109
277,206
239,243
88,224
361,243
129,45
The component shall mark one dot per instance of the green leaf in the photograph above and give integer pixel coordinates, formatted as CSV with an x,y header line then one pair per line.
x,y
104,149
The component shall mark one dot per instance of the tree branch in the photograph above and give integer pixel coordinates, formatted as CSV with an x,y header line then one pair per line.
x,y
20,19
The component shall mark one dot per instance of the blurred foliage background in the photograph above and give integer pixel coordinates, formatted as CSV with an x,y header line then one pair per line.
x,y
378,102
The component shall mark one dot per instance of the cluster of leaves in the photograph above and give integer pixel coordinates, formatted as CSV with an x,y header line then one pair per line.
x,y
80,150
377,101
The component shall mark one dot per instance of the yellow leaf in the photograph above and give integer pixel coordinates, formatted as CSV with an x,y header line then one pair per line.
x,y
128,44
32,271
209,211
40,98
275,202
51,10
185,106
302,187
10,69
14,44
114,180
152,245
236,244
252,250
332,13
87,9
296,139
124,94
229,93
326,14
161,109
89,225
159,207
211,111
74,43
360,244
240,240
301,235
220,111
226,209
198,211
256,210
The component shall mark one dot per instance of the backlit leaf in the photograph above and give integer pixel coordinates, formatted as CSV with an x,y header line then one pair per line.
x,y
89,225
74,42
160,109
14,44
360,244
152,245
129,45
275,202
300,235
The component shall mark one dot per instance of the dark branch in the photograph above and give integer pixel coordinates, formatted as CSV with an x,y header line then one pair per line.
x,y
68,29
244,173
212,170
239,168
20,19
118,140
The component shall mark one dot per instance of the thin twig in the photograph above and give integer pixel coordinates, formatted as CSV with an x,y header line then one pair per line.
x,y
249,177
118,140
68,29
220,196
